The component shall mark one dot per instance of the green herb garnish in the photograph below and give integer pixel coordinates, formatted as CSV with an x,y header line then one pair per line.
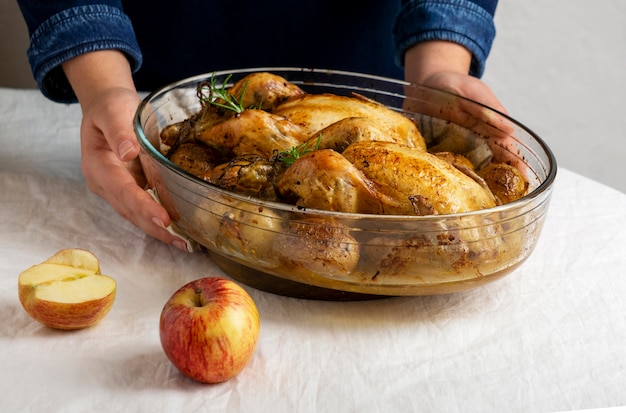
x,y
219,95
297,152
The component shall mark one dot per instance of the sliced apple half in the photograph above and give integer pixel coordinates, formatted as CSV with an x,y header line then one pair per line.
x,y
67,291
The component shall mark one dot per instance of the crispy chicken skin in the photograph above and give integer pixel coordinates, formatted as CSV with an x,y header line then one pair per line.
x,y
381,178
319,153
506,182
455,159
324,179
408,174
353,154
341,134
314,112
261,90
253,132
265,91
246,174
195,158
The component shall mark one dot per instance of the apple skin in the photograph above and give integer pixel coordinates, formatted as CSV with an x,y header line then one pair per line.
x,y
209,329
67,316
64,316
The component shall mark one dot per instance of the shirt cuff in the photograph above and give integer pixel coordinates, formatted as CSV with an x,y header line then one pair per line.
x,y
459,21
74,32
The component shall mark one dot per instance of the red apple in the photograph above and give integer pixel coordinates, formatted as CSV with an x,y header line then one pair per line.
x,y
67,291
209,329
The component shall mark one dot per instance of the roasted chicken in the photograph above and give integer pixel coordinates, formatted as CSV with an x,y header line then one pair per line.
x,y
266,138
325,179
253,132
329,152
418,180
314,112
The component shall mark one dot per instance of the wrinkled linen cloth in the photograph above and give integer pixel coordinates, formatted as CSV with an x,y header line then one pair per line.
x,y
551,336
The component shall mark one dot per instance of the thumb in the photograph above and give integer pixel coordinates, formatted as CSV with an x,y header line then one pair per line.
x,y
116,122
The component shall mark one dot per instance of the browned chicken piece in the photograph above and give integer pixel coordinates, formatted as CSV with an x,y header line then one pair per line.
x,y
367,158
253,132
324,179
341,134
317,245
246,174
450,137
260,90
505,181
380,178
263,90
195,158
425,256
248,230
411,176
176,133
314,112
433,257
186,130
463,164
455,159
208,116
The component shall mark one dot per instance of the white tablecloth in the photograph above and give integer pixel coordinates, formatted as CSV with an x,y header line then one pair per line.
x,y
551,336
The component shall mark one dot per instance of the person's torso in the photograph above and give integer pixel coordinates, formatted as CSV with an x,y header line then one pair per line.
x,y
181,39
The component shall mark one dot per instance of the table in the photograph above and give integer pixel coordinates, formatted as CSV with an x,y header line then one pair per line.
x,y
551,336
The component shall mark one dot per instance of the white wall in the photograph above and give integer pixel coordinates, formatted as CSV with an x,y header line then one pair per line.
x,y
559,66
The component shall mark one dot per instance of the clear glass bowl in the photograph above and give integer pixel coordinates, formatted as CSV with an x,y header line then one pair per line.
x,y
318,254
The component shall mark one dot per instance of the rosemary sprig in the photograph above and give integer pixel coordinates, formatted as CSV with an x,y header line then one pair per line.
x,y
296,152
220,97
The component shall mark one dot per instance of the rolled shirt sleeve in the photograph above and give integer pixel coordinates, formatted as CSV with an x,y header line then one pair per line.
x,y
72,32
460,21
59,33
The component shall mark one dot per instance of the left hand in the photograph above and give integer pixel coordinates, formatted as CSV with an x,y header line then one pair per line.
x,y
445,65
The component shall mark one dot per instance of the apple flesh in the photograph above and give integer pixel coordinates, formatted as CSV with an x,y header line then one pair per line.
x,y
67,291
209,329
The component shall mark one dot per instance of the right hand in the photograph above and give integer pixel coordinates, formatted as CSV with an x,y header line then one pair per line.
x,y
109,149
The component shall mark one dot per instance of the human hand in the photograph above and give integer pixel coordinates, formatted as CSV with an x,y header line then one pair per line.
x,y
465,113
110,164
464,85
103,83
445,65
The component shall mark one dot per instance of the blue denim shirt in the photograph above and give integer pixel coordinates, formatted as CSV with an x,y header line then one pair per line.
x,y
166,41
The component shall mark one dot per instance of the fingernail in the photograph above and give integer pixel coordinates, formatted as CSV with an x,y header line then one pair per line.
x,y
180,244
124,148
158,222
